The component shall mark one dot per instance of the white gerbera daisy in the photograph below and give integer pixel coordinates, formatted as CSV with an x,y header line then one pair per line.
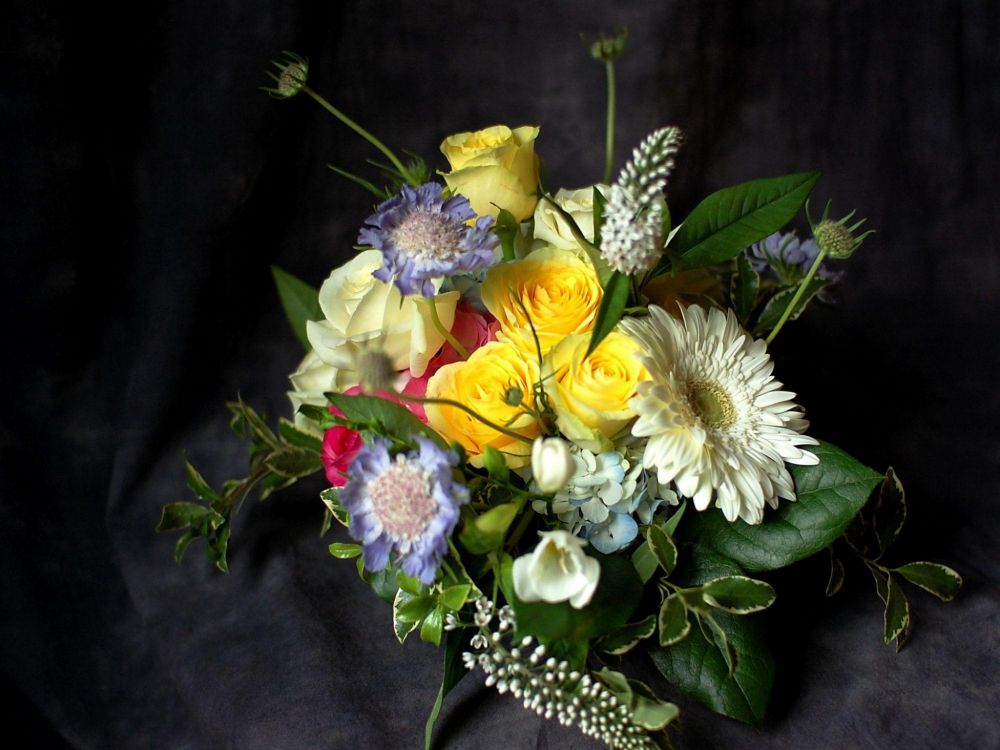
x,y
717,422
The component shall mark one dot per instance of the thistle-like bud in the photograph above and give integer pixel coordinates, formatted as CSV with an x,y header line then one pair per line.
x,y
293,70
608,47
837,239
375,371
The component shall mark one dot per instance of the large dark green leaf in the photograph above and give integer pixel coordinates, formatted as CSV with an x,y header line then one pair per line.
x,y
300,300
382,416
698,668
729,220
830,494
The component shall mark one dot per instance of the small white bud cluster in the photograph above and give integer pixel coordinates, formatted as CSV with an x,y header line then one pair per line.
x,y
548,686
633,215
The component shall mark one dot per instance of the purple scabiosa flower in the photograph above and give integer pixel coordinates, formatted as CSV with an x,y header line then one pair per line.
x,y
788,257
423,237
405,504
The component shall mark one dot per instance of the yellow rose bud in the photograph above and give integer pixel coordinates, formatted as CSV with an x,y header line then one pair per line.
x,y
481,383
559,290
591,395
494,168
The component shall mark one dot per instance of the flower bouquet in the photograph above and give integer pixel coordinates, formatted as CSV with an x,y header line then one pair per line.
x,y
553,431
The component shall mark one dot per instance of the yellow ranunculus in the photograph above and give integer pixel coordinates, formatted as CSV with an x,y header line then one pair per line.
x,y
559,290
494,167
481,382
591,395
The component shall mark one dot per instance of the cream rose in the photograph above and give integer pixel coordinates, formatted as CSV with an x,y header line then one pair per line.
x,y
310,381
591,394
494,167
362,312
552,230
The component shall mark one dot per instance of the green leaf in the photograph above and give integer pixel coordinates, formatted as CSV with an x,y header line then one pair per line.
x,y
671,524
412,608
612,307
938,579
249,425
343,551
673,621
495,464
402,627
333,506
433,626
743,288
897,614
182,545
730,220
652,715
383,582
662,546
410,584
617,595
881,582
645,562
453,672
738,595
697,668
507,228
197,484
454,597
776,306
294,463
383,417
301,303
889,513
486,532
218,546
300,439
627,637
176,516
367,185
830,494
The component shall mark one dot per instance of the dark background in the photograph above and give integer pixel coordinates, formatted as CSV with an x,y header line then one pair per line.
x,y
146,188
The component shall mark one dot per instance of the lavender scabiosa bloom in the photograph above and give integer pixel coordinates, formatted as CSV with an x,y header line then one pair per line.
x,y
788,257
423,237
405,504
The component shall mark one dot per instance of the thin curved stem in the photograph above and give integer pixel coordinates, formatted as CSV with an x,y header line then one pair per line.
x,y
448,335
798,296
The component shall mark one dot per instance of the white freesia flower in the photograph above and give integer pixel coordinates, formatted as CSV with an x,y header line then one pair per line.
x,y
552,463
556,571
362,312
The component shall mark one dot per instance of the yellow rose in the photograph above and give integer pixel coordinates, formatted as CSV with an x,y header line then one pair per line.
x,y
559,290
494,167
480,383
591,395
361,312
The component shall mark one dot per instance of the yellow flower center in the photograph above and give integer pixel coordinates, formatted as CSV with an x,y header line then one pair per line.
x,y
710,402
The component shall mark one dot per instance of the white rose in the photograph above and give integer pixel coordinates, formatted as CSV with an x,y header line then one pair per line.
x,y
552,464
362,312
310,381
556,571
552,230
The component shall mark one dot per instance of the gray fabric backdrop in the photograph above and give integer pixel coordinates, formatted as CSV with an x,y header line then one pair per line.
x,y
147,187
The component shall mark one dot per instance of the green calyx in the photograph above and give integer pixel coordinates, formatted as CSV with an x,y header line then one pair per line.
x,y
836,238
608,47
293,71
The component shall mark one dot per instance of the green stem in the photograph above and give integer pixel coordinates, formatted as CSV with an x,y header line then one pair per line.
x,y
798,296
609,143
467,410
403,171
448,336
521,527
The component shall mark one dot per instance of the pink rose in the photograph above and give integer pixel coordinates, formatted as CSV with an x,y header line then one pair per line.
x,y
340,446
472,329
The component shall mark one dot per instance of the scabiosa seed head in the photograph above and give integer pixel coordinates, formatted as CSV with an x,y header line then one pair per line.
x,y
293,71
835,237
609,47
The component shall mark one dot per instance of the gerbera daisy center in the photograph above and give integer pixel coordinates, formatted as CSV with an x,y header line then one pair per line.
x,y
712,404
402,501
428,234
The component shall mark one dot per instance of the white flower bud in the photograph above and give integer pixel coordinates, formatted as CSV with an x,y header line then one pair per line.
x,y
551,464
556,571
